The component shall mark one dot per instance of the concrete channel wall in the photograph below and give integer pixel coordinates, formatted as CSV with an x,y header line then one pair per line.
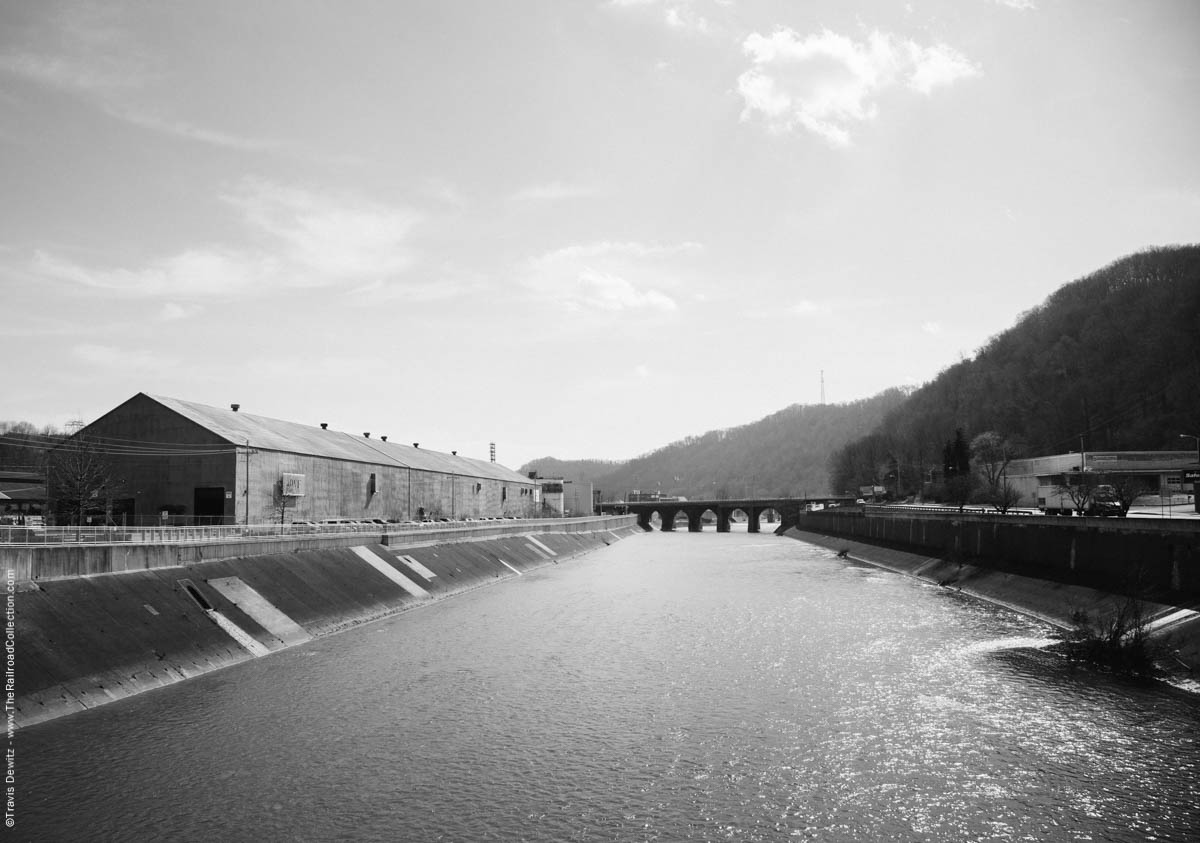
x,y
40,562
1157,559
138,622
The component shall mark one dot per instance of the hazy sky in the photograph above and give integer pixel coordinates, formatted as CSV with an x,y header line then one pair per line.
x,y
579,229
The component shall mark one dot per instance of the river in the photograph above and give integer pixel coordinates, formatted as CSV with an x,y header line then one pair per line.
x,y
673,686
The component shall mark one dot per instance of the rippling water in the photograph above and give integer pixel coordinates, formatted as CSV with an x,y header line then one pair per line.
x,y
671,687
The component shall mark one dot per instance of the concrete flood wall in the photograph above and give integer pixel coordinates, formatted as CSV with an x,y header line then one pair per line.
x,y
1160,559
48,562
1172,618
86,641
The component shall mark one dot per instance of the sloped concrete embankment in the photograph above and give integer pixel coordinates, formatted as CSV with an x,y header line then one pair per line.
x,y
1049,600
87,641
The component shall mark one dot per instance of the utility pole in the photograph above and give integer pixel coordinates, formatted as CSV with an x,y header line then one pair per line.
x,y
246,491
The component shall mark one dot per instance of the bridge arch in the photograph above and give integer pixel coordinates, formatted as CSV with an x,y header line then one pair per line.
x,y
782,512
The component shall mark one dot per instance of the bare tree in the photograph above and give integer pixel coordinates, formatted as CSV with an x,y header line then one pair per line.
x,y
1124,489
81,480
1002,497
1080,492
992,453
280,503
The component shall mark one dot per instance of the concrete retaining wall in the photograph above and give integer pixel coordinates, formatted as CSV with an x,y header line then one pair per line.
x,y
49,562
1160,560
83,641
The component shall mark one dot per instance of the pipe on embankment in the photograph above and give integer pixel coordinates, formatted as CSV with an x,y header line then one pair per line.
x,y
86,641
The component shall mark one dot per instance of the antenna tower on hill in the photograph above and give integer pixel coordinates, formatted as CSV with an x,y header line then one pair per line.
x,y
822,386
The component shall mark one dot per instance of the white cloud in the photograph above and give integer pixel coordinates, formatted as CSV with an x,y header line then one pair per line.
x,y
86,52
172,312
69,74
826,83
601,291
609,248
188,131
328,238
607,277
937,67
194,272
683,19
679,15
1023,5
297,239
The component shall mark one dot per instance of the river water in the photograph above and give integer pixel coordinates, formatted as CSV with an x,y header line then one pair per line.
x,y
670,687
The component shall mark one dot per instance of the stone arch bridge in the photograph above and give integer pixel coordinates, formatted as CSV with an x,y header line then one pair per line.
x,y
788,511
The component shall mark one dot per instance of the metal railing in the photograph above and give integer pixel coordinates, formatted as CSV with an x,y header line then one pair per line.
x,y
24,536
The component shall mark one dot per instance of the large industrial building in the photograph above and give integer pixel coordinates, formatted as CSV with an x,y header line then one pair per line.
x,y
181,462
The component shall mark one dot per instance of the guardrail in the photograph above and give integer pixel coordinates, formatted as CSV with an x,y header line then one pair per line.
x,y
969,509
38,536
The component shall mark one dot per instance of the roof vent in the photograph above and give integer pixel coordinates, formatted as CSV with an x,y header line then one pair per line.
x,y
416,444
234,407
324,425
384,438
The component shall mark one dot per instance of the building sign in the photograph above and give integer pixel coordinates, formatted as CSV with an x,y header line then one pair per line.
x,y
292,485
1191,476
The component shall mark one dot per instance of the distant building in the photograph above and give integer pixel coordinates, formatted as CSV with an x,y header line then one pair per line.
x,y
183,462
22,495
1159,472
552,494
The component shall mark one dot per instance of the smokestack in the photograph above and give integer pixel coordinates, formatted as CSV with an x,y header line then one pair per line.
x,y
234,407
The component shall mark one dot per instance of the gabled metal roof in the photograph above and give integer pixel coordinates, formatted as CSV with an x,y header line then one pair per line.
x,y
269,434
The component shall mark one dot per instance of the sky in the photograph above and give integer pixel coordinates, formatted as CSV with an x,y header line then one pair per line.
x,y
574,228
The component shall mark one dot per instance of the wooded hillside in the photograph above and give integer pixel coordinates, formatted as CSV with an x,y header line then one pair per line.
x,y
786,453
1111,361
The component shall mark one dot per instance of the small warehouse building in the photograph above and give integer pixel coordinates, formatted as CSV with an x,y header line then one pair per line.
x,y
1163,473
22,496
179,462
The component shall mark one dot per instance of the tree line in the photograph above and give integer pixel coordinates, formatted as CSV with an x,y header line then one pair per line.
x,y
1108,362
